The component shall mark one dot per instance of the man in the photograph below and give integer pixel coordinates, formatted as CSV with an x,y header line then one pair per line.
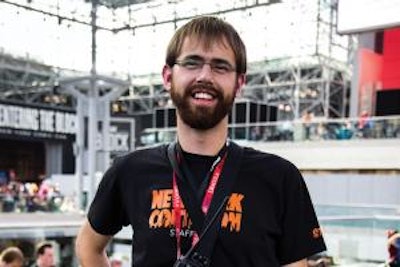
x,y
44,255
12,257
268,219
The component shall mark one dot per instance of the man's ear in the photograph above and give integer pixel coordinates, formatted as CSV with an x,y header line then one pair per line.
x,y
167,77
241,81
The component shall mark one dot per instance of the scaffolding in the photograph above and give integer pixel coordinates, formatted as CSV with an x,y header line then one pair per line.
x,y
297,61
305,65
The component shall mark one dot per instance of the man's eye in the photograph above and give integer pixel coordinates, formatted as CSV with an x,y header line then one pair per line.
x,y
192,64
221,67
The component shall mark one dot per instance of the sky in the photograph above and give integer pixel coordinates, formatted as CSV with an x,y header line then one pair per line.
x,y
266,31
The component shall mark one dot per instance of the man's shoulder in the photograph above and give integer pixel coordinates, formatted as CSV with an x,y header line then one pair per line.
x,y
150,149
258,159
142,157
254,154
155,151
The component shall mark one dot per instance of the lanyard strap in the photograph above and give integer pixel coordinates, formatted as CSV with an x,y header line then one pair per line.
x,y
215,170
177,208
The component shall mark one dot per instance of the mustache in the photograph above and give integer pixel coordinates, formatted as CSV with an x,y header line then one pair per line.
x,y
204,86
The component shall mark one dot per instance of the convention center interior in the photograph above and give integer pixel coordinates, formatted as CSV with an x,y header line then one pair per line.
x,y
81,84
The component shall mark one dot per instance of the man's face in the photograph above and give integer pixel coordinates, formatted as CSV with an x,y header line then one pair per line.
x,y
203,95
47,259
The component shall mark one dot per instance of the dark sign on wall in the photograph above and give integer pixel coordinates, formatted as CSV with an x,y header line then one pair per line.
x,y
35,122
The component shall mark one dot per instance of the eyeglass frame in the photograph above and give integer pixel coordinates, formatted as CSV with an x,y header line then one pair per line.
x,y
199,62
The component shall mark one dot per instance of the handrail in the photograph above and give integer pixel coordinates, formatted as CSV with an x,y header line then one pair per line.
x,y
377,127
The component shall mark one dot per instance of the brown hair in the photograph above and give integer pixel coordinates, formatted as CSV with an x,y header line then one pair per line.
x,y
11,254
41,247
208,30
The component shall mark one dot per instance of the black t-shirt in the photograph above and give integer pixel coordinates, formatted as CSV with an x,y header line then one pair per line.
x,y
269,219
199,168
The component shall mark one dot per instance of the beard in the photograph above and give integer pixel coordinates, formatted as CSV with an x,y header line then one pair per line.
x,y
200,117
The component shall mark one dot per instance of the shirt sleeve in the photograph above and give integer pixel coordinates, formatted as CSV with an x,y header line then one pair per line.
x,y
301,233
107,214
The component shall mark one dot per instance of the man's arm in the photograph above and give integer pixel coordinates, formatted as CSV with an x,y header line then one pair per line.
x,y
90,247
300,263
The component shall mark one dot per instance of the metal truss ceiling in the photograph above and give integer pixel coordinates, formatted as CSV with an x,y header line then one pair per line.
x,y
119,3
319,88
320,85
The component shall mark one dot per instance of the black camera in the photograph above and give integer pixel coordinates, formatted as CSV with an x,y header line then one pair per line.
x,y
193,260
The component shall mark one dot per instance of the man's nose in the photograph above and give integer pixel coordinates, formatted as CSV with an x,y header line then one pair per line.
x,y
205,72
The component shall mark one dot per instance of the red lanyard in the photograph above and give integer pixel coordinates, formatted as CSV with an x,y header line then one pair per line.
x,y
177,201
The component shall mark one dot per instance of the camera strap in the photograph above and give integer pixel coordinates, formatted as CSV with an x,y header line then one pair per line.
x,y
223,175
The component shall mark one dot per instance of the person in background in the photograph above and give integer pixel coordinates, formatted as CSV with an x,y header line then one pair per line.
x,y
364,124
11,257
393,244
116,260
268,219
44,255
307,119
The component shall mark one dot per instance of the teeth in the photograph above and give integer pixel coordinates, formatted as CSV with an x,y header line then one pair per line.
x,y
202,95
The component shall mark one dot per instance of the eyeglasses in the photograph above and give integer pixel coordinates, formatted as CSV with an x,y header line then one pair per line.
x,y
217,66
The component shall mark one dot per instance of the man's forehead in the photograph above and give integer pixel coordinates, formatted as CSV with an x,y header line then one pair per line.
x,y
195,45
204,43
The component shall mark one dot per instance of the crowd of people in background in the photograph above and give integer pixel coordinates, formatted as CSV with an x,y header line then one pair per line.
x,y
313,128
45,196
44,256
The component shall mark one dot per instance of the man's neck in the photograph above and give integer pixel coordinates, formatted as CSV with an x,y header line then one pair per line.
x,y
202,142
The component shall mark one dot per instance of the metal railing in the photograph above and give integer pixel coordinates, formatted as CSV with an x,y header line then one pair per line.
x,y
318,129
